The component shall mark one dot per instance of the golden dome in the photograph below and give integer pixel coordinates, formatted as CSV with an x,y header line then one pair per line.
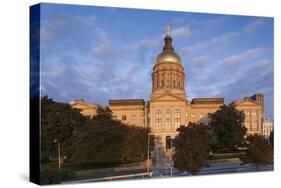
x,y
168,57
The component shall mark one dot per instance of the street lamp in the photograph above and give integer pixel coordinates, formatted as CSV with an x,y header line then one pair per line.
x,y
171,160
59,160
148,141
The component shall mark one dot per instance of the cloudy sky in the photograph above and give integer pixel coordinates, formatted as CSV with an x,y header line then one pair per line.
x,y
97,54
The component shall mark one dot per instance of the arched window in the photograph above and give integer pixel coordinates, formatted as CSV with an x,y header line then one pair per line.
x,y
168,142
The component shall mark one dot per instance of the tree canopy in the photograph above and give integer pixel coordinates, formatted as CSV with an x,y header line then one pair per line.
x,y
106,140
100,139
227,126
258,151
191,148
59,122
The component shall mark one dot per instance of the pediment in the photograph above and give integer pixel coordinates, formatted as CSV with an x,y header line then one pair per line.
x,y
246,103
81,106
168,97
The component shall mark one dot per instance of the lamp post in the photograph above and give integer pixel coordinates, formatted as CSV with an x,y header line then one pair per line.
x,y
148,141
172,162
59,159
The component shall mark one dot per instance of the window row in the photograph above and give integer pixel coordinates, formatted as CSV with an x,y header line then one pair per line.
x,y
168,83
133,117
167,124
248,113
201,115
168,114
251,126
178,114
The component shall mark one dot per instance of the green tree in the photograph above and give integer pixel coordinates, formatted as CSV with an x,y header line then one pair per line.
x,y
58,122
258,151
191,148
136,144
106,140
227,128
101,139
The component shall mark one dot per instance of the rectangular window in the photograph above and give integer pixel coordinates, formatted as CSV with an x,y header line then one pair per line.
x,y
254,125
168,119
142,117
177,123
201,115
247,113
158,119
186,114
254,113
177,113
158,114
133,117
158,123
177,118
168,115
168,123
193,115
124,118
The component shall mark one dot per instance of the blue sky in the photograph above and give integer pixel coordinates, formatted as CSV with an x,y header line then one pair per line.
x,y
98,53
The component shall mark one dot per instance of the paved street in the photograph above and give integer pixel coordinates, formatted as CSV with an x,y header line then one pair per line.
x,y
163,167
214,169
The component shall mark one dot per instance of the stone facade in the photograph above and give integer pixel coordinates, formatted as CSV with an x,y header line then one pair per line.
x,y
253,108
169,107
267,128
131,112
86,109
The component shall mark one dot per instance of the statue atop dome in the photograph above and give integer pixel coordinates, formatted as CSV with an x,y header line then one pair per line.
x,y
168,55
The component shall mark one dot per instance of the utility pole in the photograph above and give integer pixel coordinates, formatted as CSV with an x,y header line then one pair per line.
x,y
157,154
59,157
171,163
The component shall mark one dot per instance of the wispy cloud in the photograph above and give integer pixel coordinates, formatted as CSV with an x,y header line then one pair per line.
x,y
217,41
88,55
225,37
201,59
257,23
192,48
243,56
183,31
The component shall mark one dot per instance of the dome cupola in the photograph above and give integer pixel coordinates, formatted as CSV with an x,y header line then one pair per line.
x,y
168,55
168,71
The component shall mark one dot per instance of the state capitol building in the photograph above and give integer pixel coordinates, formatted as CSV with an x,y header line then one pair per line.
x,y
168,107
